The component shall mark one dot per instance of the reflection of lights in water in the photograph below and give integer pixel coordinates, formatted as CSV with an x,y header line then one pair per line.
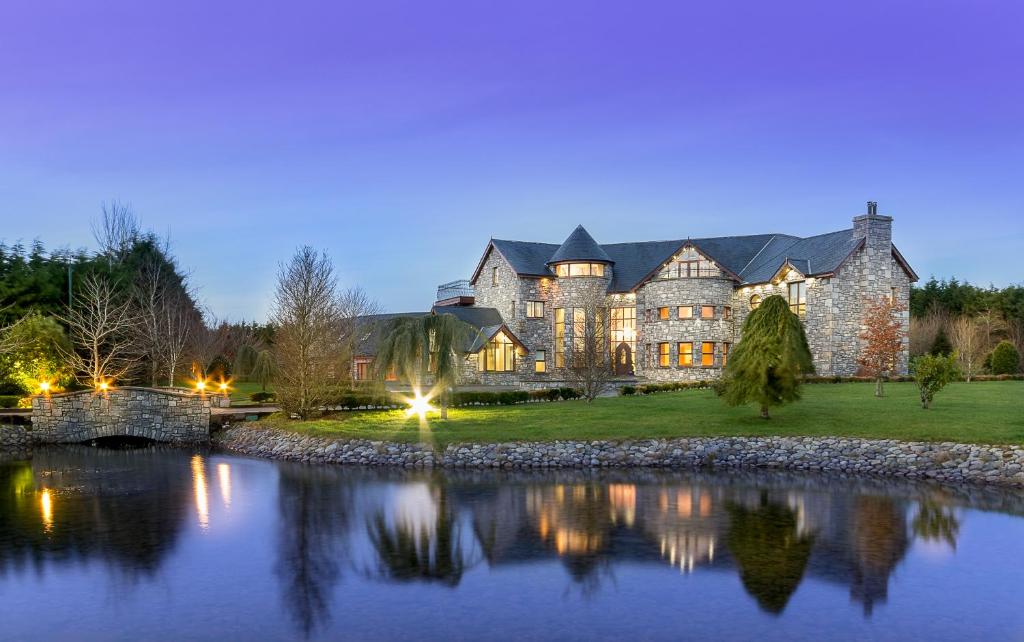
x,y
623,500
415,508
46,505
224,477
202,498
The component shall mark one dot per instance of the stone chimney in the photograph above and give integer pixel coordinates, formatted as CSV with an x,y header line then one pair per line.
x,y
876,229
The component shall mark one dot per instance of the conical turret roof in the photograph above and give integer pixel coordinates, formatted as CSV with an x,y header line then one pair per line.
x,y
580,246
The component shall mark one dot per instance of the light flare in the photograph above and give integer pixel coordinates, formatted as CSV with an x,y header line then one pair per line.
x,y
419,405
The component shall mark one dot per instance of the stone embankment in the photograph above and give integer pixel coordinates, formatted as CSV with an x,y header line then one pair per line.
x,y
948,462
15,441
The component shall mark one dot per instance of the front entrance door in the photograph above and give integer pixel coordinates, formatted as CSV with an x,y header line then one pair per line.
x,y
623,360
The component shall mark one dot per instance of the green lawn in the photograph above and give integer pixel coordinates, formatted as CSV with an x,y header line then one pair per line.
x,y
240,391
983,412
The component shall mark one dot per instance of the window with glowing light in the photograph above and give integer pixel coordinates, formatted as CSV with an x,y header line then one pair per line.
x,y
499,355
755,302
534,309
559,337
685,312
623,329
685,353
707,354
579,269
798,297
664,355
707,312
540,361
663,314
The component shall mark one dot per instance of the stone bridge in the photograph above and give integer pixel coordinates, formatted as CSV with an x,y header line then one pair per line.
x,y
170,416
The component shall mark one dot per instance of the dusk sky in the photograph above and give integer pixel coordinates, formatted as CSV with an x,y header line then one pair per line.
x,y
400,136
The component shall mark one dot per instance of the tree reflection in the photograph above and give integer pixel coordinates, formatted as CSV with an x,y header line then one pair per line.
x,y
427,550
935,522
77,503
879,543
771,554
314,506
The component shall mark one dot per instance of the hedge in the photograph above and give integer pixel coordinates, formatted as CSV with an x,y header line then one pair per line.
x,y
353,400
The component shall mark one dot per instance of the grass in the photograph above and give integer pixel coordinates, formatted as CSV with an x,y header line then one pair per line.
x,y
240,391
980,412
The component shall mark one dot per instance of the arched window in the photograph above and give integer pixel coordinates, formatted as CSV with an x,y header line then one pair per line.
x,y
755,301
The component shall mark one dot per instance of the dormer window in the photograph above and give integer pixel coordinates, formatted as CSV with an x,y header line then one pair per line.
x,y
579,269
689,264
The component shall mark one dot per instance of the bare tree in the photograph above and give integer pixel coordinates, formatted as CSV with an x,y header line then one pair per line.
x,y
353,304
969,341
117,230
177,321
307,345
589,367
101,328
10,340
207,341
924,330
1015,333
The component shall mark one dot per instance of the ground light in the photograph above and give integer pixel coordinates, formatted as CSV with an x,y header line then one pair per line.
x,y
44,387
419,405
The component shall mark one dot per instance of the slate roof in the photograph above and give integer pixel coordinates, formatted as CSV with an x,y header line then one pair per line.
x,y
580,246
749,259
373,327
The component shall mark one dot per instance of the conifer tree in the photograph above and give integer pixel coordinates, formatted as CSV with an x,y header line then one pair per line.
x,y
766,365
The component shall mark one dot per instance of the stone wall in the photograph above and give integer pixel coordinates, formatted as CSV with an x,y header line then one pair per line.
x,y
947,462
15,441
672,293
161,415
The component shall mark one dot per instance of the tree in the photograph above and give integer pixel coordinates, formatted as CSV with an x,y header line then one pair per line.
x,y
767,363
263,368
883,339
941,346
33,354
970,344
1005,359
422,347
933,373
353,304
590,369
307,346
101,327
117,231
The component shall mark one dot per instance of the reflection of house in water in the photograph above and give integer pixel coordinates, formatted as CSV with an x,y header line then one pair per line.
x,y
771,538
76,503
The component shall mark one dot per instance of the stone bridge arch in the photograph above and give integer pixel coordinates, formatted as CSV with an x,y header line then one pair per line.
x,y
165,415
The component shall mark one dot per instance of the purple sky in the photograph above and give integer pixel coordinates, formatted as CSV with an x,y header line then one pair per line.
x,y
400,136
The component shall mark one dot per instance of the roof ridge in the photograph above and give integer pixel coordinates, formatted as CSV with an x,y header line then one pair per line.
x,y
766,244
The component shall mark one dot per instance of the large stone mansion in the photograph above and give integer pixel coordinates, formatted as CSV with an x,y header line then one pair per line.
x,y
674,309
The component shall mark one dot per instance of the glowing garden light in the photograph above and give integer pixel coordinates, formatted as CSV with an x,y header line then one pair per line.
x,y
44,387
200,385
419,405
103,385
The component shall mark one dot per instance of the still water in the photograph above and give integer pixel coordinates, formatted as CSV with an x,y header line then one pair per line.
x,y
165,544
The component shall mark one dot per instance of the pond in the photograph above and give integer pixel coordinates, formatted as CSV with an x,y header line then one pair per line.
x,y
169,544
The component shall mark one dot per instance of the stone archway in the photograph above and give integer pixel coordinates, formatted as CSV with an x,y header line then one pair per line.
x,y
623,360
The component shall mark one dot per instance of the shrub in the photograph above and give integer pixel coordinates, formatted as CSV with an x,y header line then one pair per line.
x,y
9,401
941,346
932,373
627,390
1005,360
261,397
568,393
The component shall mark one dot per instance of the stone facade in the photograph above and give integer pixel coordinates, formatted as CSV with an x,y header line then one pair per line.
x,y
833,317
946,462
162,415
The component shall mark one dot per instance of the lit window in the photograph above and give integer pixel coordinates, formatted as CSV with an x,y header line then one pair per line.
x,y
494,275
534,309
663,314
686,353
579,269
726,312
707,354
579,330
559,337
362,369
499,355
725,354
689,265
540,361
663,355
755,301
686,312
798,297
707,312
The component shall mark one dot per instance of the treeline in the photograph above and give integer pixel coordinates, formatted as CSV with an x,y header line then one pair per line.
x,y
123,312
984,327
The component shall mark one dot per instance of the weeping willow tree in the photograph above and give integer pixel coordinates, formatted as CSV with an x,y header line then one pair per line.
x,y
766,365
418,348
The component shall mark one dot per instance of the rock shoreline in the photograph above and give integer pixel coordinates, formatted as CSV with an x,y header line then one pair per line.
x,y
945,462
15,441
